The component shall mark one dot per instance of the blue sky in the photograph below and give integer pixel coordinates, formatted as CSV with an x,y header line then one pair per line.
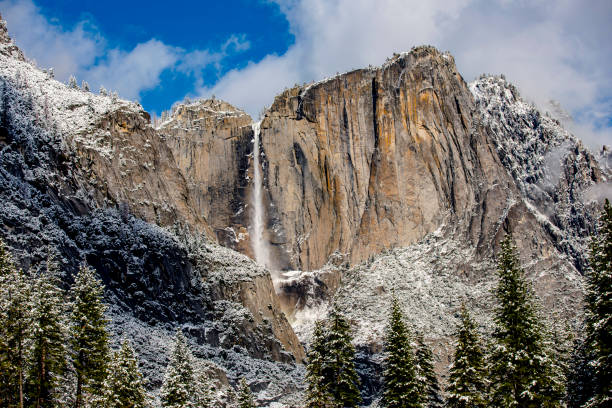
x,y
246,51
191,25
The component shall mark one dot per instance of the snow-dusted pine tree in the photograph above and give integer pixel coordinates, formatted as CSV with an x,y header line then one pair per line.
x,y
204,393
123,386
339,362
317,395
522,369
15,331
178,389
6,260
430,394
401,388
599,309
245,397
581,382
88,335
72,82
50,326
467,385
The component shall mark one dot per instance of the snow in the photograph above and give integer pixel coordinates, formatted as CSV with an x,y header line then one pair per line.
x,y
74,112
551,167
198,111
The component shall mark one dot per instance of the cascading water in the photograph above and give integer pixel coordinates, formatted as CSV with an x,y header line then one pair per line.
x,y
259,242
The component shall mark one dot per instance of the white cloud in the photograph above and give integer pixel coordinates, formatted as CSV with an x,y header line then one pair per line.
x,y
67,51
551,49
131,72
82,51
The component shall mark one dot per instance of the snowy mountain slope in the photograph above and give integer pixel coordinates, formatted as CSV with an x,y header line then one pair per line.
x,y
558,177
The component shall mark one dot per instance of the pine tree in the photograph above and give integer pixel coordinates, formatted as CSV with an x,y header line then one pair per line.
x,y
339,364
245,397
88,335
72,82
123,386
204,397
522,370
599,309
317,395
179,382
50,334
6,261
430,388
6,269
581,381
467,386
400,384
15,334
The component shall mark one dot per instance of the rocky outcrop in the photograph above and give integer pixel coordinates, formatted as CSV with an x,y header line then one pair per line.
x,y
375,158
7,47
561,182
211,142
128,164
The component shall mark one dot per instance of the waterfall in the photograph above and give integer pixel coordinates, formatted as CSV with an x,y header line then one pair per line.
x,y
259,243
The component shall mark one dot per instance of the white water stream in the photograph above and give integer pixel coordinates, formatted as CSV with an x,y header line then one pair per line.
x,y
259,243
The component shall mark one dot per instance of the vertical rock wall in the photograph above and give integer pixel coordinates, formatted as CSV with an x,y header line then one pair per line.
x,y
377,158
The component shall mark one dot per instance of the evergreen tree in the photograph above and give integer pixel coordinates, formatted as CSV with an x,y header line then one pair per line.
x,y
179,383
72,82
400,384
245,398
15,316
581,381
6,372
599,309
522,371
317,395
204,397
6,261
339,366
88,334
467,386
49,340
430,388
123,386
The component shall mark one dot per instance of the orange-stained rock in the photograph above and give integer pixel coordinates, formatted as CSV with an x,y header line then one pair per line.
x,y
375,158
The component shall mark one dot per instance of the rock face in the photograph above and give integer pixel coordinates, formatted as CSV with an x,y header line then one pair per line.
x,y
376,158
560,180
211,142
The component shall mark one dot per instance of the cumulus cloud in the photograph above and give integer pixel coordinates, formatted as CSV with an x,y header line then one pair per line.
x,y
67,51
550,49
133,71
82,51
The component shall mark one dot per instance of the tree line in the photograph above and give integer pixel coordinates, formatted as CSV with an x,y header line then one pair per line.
x,y
524,363
54,346
55,349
